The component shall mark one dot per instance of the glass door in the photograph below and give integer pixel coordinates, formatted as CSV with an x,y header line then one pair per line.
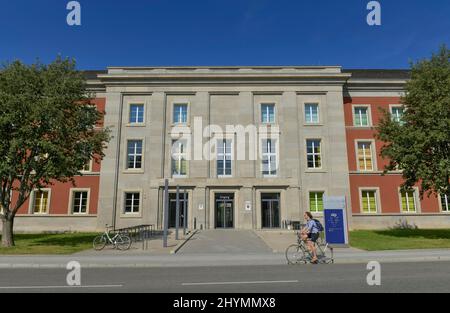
x,y
270,210
224,210
173,209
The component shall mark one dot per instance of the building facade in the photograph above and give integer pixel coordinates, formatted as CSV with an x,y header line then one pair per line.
x,y
248,147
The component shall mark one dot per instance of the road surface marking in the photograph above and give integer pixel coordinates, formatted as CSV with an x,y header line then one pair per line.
x,y
56,287
243,282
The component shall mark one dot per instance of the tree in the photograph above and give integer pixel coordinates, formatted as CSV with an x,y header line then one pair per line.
x,y
47,131
419,144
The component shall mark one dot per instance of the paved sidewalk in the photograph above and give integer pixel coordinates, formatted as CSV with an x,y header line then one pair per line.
x,y
217,241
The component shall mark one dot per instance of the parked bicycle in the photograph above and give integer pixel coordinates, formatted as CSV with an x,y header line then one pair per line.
x,y
299,253
119,241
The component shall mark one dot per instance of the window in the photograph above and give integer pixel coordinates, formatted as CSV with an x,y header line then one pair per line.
x,y
312,113
313,153
269,157
316,201
179,162
180,112
268,113
369,201
87,167
445,204
365,162
408,200
134,154
80,202
397,114
132,202
136,114
41,201
224,157
361,116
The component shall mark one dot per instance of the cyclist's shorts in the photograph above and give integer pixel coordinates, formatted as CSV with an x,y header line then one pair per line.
x,y
313,237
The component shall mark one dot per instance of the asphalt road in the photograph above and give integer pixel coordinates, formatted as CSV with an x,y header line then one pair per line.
x,y
395,277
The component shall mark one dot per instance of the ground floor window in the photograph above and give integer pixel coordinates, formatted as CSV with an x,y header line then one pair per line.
x,y
369,201
316,201
408,200
445,204
132,202
80,202
41,201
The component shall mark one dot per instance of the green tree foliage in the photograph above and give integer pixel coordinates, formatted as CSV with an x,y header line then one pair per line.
x,y
48,131
419,144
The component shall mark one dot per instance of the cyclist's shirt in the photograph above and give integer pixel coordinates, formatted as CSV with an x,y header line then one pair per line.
x,y
312,227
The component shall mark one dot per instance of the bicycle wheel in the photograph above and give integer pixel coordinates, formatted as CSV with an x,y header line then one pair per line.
x,y
123,242
99,243
324,254
295,254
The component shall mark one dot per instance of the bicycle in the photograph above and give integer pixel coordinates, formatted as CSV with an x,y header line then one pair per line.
x,y
299,252
119,241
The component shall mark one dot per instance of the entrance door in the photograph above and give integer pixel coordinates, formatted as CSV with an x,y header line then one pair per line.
x,y
173,209
270,209
224,210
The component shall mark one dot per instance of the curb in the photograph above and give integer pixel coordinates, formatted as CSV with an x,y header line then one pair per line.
x,y
180,245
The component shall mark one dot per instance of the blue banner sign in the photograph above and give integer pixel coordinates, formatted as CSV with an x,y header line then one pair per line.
x,y
336,230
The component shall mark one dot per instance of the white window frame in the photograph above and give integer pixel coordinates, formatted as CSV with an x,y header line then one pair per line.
x,y
72,200
90,163
180,104
223,157
268,104
314,154
395,117
33,200
310,122
377,199
136,123
445,207
372,154
124,201
178,157
270,155
135,155
309,200
369,115
416,202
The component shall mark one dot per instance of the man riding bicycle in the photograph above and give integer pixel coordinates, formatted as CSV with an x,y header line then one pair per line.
x,y
310,234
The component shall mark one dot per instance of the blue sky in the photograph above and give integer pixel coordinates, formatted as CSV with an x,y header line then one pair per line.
x,y
224,32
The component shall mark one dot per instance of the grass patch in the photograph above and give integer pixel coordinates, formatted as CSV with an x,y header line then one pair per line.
x,y
400,239
67,243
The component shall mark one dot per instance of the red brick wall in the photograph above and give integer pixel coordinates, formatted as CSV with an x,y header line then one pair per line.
x,y
388,185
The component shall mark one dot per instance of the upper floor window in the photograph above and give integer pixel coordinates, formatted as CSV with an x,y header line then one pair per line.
x,y
134,154
136,114
312,113
397,114
180,113
80,202
313,153
41,201
369,201
268,113
445,204
316,201
269,157
132,202
361,116
179,158
365,156
408,201
224,157
87,167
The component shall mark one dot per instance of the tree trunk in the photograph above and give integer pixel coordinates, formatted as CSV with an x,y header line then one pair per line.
x,y
7,232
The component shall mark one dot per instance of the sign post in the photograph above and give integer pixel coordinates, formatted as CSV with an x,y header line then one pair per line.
x,y
335,216
166,212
